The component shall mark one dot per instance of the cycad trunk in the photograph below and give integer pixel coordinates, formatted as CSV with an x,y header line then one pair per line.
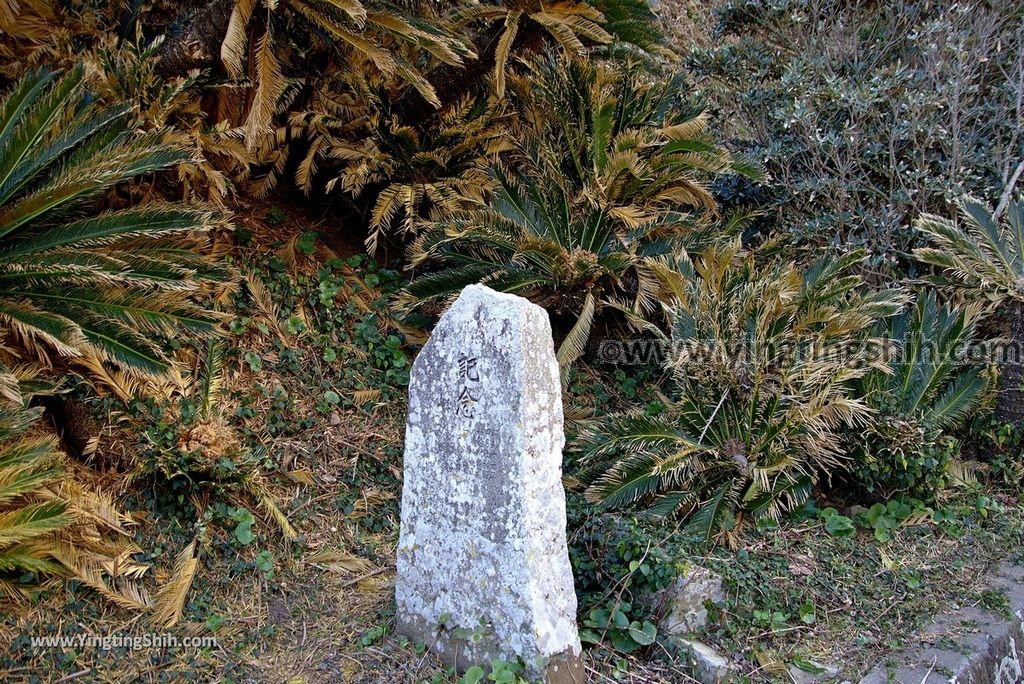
x,y
1010,405
196,43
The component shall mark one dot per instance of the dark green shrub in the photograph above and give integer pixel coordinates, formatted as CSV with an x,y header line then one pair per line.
x,y
868,114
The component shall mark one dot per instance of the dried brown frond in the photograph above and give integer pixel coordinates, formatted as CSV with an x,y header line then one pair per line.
x,y
270,85
170,599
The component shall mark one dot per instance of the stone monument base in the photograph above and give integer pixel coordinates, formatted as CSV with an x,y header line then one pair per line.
x,y
457,649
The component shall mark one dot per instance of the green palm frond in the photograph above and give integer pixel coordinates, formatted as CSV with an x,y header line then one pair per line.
x,y
956,403
793,492
32,520
632,24
931,339
626,433
209,379
706,521
978,253
77,281
575,342
441,285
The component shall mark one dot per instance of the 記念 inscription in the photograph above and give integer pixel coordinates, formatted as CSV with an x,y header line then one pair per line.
x,y
483,569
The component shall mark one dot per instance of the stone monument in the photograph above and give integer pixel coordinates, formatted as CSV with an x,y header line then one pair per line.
x,y
483,568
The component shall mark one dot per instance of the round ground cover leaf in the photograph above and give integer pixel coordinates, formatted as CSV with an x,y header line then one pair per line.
x,y
839,526
643,634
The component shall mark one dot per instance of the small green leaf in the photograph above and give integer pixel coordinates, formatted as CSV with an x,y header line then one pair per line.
x,y
254,361
643,634
623,642
243,533
899,510
473,675
839,526
307,242
874,513
808,665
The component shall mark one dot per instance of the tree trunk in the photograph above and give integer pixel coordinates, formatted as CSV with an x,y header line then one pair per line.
x,y
75,423
197,44
1010,404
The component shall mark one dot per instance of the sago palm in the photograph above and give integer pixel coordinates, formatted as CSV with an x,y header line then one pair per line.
x,y
79,281
411,173
568,23
924,391
630,142
985,256
430,174
608,177
761,360
126,72
503,33
52,526
535,239
378,38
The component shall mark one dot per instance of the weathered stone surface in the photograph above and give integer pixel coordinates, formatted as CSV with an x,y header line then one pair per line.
x,y
685,601
705,664
483,568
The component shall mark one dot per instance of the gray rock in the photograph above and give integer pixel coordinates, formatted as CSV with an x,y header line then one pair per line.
x,y
483,570
706,665
854,511
685,601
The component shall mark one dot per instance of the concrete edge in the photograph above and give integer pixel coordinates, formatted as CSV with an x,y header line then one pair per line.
x,y
967,645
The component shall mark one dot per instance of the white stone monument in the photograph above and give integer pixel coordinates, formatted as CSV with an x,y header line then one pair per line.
x,y
483,569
